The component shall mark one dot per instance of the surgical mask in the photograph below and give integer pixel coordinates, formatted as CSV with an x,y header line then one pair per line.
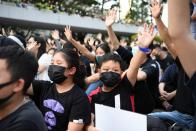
x,y
56,74
110,79
4,100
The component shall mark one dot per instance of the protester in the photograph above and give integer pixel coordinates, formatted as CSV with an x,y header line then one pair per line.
x,y
18,113
63,104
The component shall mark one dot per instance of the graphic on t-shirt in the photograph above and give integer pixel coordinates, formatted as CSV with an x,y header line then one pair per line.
x,y
49,116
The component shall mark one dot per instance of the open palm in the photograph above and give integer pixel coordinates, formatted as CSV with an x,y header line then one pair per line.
x,y
110,17
146,37
68,33
156,9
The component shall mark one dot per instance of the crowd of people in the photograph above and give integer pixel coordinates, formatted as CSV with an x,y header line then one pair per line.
x,y
54,83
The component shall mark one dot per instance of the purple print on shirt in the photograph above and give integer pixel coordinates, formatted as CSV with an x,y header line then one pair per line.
x,y
49,116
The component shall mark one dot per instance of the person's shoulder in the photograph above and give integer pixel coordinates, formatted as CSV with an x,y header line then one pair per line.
x,y
42,83
78,92
29,115
29,111
44,57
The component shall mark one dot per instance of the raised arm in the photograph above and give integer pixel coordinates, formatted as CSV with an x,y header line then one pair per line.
x,y
56,37
156,10
144,39
179,30
81,48
109,21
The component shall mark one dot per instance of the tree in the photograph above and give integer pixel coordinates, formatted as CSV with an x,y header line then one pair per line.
x,y
81,7
138,13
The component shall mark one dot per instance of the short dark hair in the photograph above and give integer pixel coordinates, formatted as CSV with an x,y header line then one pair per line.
x,y
20,64
114,57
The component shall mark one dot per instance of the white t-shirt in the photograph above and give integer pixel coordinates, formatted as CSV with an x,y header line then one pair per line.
x,y
44,60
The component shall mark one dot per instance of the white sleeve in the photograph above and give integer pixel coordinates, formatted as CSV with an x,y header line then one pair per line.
x,y
45,59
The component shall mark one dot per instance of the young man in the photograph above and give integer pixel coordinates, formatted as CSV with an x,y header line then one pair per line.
x,y
175,38
116,83
17,113
185,44
149,70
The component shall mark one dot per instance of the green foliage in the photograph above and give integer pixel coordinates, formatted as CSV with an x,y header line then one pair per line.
x,y
158,39
138,13
81,7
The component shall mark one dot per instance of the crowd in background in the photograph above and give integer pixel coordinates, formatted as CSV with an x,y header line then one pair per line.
x,y
65,77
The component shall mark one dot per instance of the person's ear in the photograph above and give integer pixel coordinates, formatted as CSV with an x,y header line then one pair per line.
x,y
19,85
99,70
72,71
38,44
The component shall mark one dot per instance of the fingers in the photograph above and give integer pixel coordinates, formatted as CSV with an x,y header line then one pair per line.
x,y
111,13
145,27
67,27
155,3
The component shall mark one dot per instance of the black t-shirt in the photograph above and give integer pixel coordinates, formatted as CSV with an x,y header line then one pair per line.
x,y
183,100
87,64
125,54
165,62
136,99
150,67
61,108
191,83
170,77
25,118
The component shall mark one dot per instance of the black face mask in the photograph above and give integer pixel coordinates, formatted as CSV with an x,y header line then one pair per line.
x,y
110,79
4,100
56,74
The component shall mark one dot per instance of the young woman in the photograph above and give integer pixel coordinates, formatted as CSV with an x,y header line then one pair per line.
x,y
63,104
37,45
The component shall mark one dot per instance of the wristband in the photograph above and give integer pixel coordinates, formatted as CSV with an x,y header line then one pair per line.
x,y
145,50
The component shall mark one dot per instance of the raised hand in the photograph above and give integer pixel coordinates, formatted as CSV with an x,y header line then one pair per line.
x,y
55,34
110,18
146,37
91,41
156,8
68,33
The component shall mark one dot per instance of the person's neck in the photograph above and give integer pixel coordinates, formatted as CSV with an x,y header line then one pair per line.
x,y
106,89
36,53
65,86
12,106
163,55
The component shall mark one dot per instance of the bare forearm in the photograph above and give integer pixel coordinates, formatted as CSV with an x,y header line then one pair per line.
x,y
134,66
161,87
193,17
173,93
179,19
113,38
163,31
83,50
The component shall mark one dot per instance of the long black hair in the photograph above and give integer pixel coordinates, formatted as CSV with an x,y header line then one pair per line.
x,y
42,42
73,60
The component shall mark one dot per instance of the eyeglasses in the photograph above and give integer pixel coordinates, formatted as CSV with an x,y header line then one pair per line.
x,y
6,84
